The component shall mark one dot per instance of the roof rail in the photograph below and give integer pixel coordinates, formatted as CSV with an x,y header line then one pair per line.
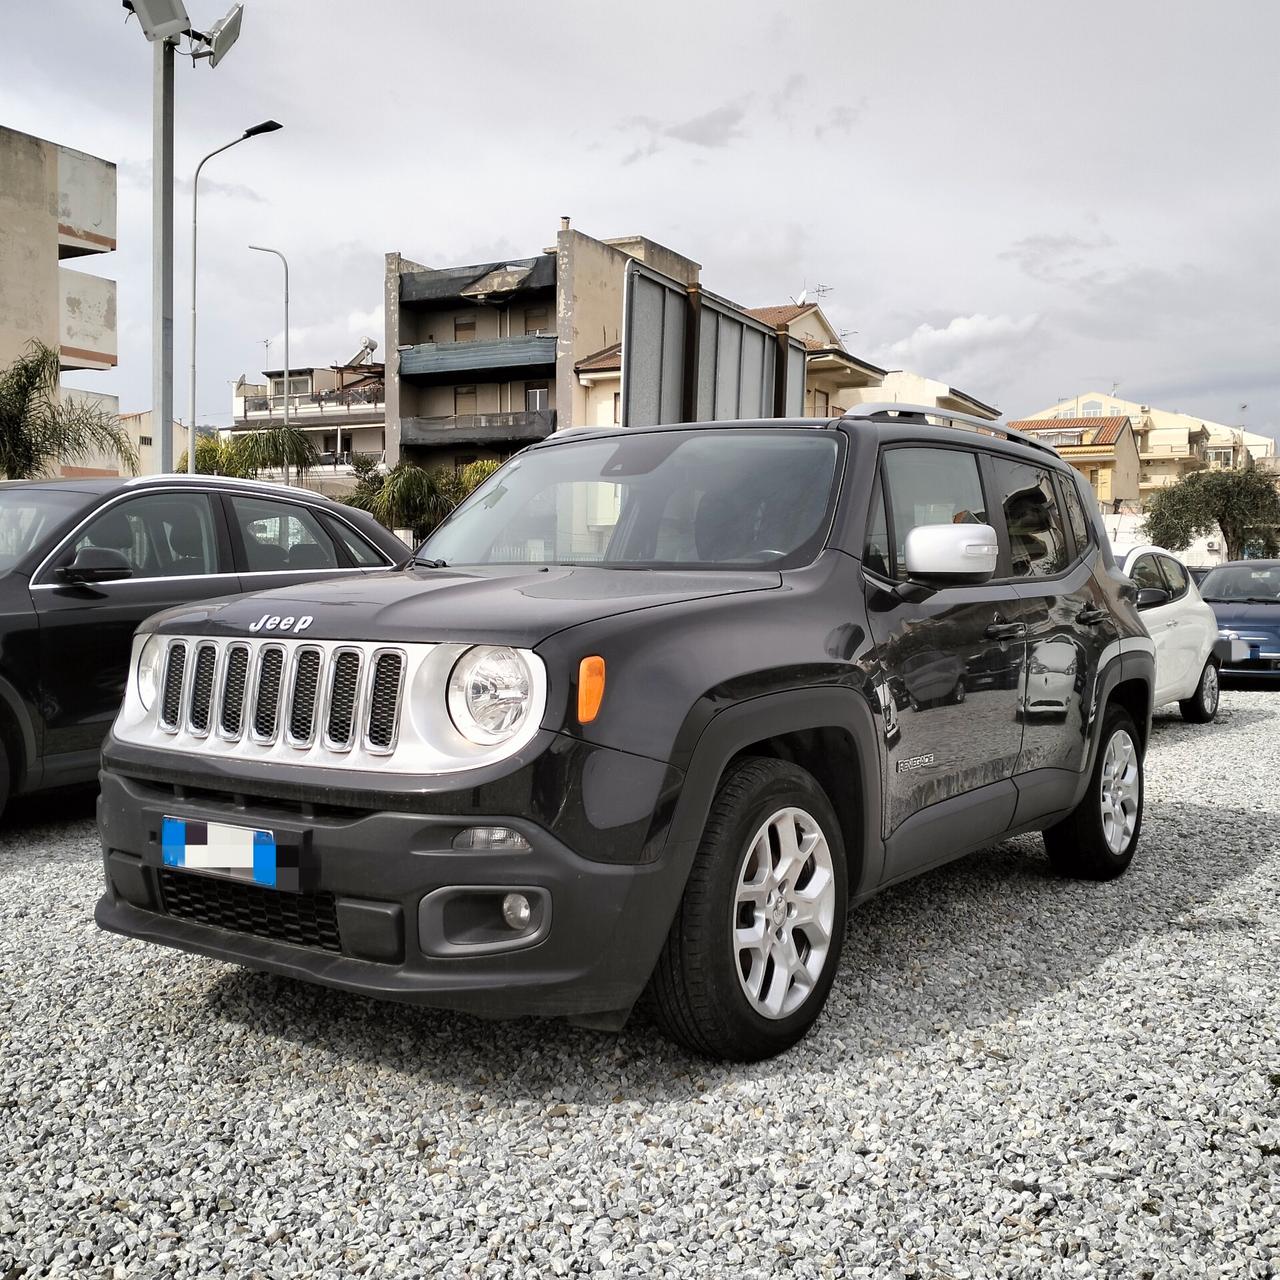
x,y
921,413
185,477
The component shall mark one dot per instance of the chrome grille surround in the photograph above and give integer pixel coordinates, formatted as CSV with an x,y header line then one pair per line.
x,y
364,705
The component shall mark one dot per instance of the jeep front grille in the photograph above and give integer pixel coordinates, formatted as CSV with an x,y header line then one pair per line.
x,y
349,695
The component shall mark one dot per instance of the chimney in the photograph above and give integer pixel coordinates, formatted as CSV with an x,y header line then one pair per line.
x,y
564,222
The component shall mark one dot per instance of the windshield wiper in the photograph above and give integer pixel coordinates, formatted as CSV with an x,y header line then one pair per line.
x,y
1241,599
428,563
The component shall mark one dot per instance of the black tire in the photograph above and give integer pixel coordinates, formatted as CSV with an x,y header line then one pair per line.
x,y
6,781
696,992
1078,845
1202,706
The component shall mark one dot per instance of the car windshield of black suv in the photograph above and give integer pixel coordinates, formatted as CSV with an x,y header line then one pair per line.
x,y
29,516
650,500
1243,582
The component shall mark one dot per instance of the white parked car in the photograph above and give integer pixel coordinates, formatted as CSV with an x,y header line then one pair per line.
x,y
1183,628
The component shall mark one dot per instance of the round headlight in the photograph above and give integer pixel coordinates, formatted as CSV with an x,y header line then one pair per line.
x,y
149,663
489,694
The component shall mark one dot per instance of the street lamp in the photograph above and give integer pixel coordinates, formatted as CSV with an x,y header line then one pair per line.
x,y
263,249
267,126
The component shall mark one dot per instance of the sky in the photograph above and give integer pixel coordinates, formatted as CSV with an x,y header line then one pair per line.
x,y
1026,201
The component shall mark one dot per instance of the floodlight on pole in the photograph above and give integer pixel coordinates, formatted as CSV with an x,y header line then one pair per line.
x,y
267,126
160,19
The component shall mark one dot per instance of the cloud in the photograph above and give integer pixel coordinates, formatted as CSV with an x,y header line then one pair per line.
x,y
1056,259
715,128
977,352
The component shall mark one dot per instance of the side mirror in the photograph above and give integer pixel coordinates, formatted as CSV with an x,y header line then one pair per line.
x,y
1151,597
97,564
951,554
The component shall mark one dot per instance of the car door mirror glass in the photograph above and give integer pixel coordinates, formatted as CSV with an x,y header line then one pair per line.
x,y
97,564
1152,597
951,554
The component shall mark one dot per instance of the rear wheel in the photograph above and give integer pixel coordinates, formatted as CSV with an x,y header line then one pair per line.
x,y
1202,706
1097,840
755,944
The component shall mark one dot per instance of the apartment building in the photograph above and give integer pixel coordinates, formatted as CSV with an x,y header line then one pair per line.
x,y
836,380
483,359
1103,449
56,204
1170,444
342,407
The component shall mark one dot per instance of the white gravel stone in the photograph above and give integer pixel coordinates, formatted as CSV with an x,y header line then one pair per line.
x,y
1016,1076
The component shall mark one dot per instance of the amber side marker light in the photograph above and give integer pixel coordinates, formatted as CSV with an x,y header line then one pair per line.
x,y
590,688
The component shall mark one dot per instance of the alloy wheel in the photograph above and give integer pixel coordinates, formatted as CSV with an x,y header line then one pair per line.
x,y
783,913
1121,791
1209,690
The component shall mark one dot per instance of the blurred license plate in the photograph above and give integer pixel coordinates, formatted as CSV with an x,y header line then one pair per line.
x,y
218,849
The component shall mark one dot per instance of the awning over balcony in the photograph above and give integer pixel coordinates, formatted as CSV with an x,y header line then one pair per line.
x,y
448,361
478,429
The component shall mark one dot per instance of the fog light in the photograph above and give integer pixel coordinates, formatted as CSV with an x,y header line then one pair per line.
x,y
516,911
490,838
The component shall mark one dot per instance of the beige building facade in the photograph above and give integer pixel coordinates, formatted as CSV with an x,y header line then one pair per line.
x,y
1170,444
1103,450
482,359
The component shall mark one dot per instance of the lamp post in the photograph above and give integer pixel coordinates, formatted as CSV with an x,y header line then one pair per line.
x,y
267,126
263,249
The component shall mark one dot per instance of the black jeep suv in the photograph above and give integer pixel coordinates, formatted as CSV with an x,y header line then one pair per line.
x,y
648,712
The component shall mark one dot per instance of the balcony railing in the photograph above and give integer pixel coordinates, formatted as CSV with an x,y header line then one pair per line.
x,y
462,358
479,428
336,401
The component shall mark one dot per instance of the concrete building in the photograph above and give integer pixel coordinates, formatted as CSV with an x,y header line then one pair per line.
x,y
836,380
1170,444
1103,450
342,407
55,204
483,359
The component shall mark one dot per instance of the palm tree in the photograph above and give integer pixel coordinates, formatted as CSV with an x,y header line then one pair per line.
x,y
414,497
39,429
217,457
273,447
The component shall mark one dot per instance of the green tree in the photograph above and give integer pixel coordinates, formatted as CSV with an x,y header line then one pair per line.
x,y
217,457
413,497
1244,505
275,447
39,429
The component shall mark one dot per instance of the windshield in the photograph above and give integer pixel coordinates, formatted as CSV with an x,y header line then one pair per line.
x,y
661,499
28,516
1243,582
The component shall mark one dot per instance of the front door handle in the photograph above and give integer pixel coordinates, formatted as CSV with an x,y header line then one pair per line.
x,y
1005,630
1091,617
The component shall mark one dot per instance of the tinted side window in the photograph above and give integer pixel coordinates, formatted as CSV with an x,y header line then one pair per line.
x,y
281,535
1146,573
1037,539
1175,575
875,555
162,535
930,486
1076,517
361,552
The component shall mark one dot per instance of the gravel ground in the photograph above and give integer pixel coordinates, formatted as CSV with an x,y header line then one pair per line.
x,y
1015,1076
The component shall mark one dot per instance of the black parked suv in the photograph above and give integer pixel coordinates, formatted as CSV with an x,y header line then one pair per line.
x,y
83,562
647,713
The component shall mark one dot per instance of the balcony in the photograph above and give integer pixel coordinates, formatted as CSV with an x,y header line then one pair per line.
x,y
87,320
451,361
352,406
478,429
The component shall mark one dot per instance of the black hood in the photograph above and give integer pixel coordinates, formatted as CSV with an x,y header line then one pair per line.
x,y
514,605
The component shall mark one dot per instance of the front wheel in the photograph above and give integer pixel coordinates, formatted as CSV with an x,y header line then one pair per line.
x,y
1202,706
755,943
1096,841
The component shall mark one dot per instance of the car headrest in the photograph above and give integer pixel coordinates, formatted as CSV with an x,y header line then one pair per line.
x,y
112,530
187,540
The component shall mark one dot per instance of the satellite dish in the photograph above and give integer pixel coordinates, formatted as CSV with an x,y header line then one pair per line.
x,y
224,34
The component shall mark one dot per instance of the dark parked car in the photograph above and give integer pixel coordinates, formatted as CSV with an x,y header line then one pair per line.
x,y
83,562
628,721
1245,597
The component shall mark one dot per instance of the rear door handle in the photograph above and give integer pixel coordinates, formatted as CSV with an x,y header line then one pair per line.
x,y
1005,630
1091,617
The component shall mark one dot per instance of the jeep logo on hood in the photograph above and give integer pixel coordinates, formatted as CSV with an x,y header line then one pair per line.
x,y
274,622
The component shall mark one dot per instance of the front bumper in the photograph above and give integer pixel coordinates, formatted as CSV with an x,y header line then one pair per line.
x,y
1243,656
366,920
